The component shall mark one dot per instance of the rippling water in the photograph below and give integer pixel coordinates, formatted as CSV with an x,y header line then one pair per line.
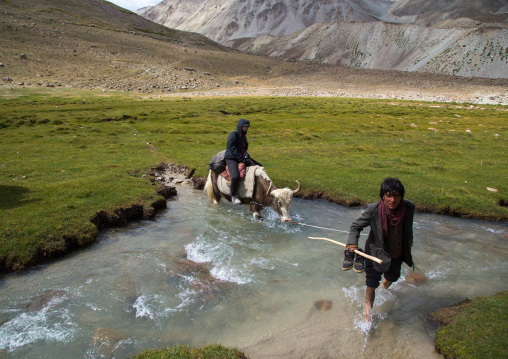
x,y
200,274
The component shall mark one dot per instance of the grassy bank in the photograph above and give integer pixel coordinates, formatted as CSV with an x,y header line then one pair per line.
x,y
67,155
215,351
475,328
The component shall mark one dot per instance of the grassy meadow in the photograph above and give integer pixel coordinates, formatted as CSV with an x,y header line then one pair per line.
x,y
475,328
65,154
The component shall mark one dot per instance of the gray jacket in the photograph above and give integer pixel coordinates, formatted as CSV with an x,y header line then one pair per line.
x,y
375,245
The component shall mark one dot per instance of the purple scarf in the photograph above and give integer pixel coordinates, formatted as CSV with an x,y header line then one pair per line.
x,y
395,216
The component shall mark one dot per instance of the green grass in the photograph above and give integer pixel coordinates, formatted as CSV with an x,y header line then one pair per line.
x,y
215,351
479,330
66,156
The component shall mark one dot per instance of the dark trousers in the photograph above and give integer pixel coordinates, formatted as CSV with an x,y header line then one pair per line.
x,y
235,175
373,276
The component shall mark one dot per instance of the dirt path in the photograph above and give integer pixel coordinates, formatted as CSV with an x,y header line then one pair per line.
x,y
474,94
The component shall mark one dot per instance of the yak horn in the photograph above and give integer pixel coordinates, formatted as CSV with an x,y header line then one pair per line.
x,y
296,190
269,188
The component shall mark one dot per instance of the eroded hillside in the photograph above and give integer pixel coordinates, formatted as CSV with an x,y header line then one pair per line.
x,y
231,19
460,38
470,51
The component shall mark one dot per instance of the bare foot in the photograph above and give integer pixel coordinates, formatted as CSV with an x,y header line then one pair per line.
x,y
368,313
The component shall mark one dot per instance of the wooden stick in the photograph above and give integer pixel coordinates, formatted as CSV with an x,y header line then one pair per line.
x,y
377,260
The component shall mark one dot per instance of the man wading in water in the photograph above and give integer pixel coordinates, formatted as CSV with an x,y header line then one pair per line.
x,y
390,239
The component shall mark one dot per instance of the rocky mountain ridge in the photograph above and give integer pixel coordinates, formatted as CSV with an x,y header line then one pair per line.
x,y
231,19
469,51
459,37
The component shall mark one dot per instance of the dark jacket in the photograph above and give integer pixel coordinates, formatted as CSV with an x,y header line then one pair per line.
x,y
237,144
375,245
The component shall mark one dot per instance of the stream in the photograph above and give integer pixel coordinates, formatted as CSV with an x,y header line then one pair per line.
x,y
200,274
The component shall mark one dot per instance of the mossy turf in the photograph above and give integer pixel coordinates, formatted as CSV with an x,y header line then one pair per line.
x,y
66,154
477,328
214,351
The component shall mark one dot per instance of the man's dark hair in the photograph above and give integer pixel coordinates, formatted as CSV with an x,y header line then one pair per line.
x,y
391,185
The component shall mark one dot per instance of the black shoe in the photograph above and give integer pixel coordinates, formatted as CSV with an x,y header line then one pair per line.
x,y
359,264
348,260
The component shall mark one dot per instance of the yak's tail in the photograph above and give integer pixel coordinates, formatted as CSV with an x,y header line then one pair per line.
x,y
208,186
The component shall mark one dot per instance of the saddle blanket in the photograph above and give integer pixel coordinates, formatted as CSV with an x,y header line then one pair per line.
x,y
246,185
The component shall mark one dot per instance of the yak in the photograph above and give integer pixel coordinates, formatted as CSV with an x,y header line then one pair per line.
x,y
263,193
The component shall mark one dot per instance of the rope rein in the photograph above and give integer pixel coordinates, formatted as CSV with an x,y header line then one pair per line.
x,y
309,225
328,229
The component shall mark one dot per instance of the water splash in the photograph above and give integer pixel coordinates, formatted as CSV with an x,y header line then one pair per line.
x,y
438,273
230,274
142,308
356,296
50,324
364,326
221,254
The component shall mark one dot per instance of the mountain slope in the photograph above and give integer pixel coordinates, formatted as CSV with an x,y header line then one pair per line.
x,y
470,52
93,43
454,37
231,19
224,20
430,12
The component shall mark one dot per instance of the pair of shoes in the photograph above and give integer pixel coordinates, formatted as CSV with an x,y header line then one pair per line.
x,y
235,200
352,260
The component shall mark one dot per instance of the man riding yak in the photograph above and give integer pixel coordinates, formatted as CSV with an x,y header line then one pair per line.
x,y
258,187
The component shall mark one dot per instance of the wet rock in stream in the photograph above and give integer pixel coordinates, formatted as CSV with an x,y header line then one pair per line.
x,y
323,305
416,278
44,300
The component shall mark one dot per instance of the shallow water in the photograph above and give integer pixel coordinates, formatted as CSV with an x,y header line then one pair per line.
x,y
255,286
